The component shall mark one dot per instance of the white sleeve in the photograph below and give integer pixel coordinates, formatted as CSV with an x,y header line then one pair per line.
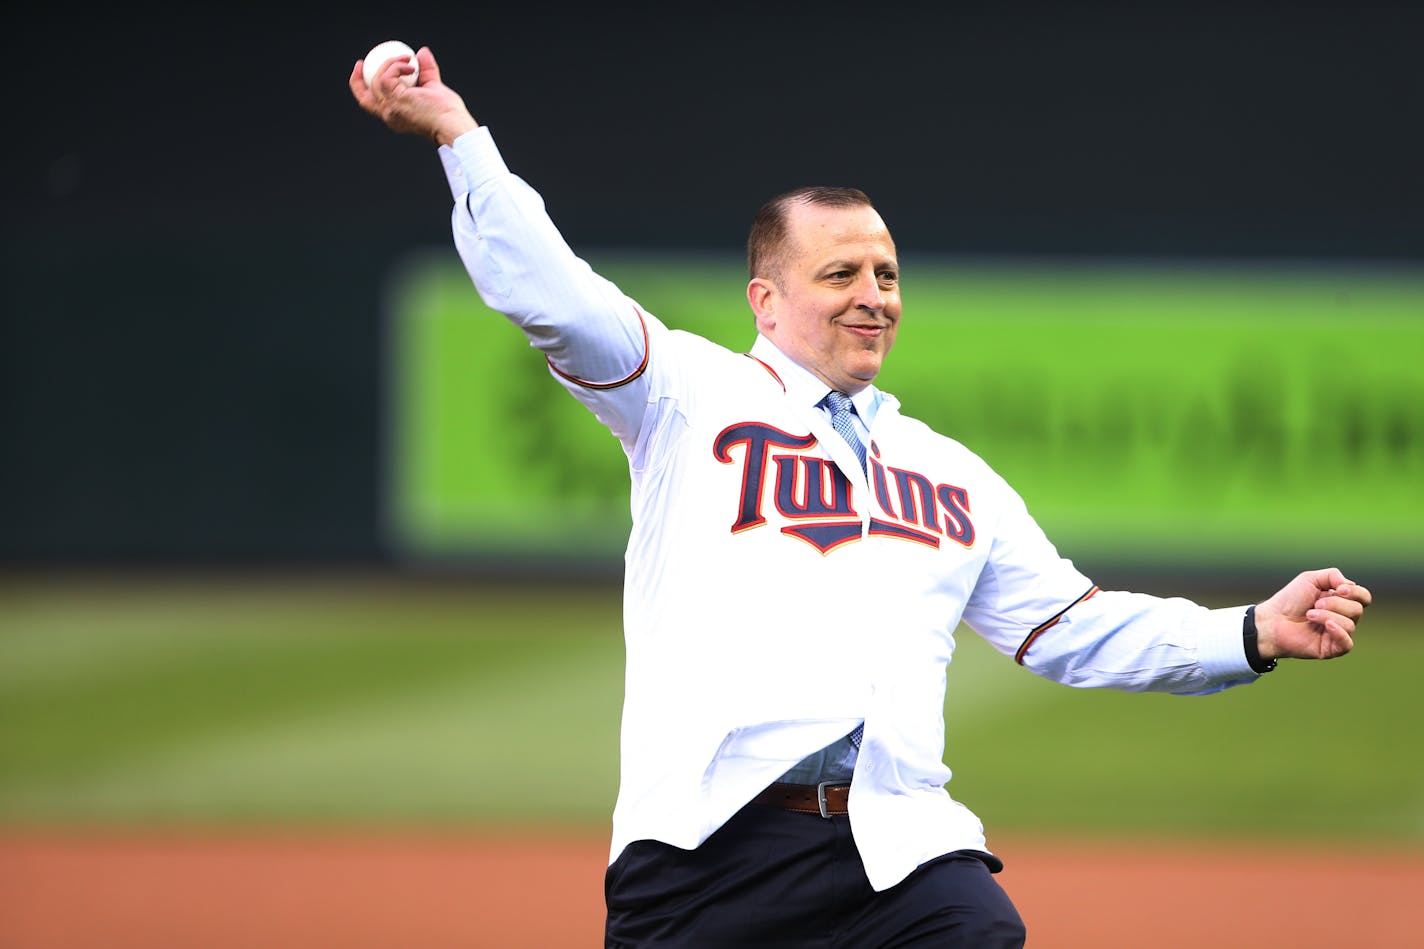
x,y
1034,605
596,340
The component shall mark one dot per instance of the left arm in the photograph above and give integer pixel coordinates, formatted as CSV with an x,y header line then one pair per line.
x,y
1035,606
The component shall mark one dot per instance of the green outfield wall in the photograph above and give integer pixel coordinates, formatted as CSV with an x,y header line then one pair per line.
x,y
1150,414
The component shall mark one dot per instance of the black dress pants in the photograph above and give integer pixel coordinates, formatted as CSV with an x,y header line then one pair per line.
x,y
775,878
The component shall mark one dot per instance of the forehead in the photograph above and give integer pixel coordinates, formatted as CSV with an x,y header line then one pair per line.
x,y
817,232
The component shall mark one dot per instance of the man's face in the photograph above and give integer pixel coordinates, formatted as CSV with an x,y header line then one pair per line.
x,y
835,304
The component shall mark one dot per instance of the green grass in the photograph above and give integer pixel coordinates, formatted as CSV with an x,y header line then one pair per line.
x,y
376,702
1312,751
324,702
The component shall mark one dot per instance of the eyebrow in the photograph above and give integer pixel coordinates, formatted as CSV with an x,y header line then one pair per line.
x,y
841,263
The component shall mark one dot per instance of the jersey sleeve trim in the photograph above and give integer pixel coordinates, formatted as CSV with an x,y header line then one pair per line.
x,y
642,367
1044,627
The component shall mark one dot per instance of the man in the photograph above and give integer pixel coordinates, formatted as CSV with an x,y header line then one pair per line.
x,y
800,557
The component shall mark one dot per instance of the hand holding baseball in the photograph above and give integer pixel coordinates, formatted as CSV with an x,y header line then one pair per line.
x,y
383,53
409,96
1312,617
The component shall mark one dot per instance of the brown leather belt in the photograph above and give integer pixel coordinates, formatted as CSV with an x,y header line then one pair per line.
x,y
824,798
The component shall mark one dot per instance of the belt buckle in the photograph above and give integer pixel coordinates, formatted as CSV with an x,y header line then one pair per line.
x,y
821,797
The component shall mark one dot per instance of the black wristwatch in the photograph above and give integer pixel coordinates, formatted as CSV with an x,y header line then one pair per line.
x,y
1253,652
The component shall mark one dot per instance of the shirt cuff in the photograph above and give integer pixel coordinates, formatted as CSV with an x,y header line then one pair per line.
x,y
471,161
1220,648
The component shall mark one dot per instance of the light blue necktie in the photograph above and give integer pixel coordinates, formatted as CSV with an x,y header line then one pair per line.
x,y
841,411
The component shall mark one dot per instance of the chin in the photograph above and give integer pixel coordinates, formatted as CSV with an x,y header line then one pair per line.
x,y
865,370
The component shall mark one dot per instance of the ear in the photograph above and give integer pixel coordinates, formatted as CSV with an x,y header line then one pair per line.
x,y
761,296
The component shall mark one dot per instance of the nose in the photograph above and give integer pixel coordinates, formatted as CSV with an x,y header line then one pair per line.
x,y
868,295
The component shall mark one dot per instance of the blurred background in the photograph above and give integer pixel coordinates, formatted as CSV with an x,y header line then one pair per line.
x,y
1164,270
205,235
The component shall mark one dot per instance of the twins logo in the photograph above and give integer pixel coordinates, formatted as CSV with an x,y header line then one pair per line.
x,y
815,495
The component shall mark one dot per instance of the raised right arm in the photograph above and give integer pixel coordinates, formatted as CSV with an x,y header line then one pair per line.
x,y
595,339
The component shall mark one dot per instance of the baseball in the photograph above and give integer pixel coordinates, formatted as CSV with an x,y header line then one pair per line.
x,y
383,53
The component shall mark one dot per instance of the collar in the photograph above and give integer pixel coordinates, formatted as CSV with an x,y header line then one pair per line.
x,y
804,388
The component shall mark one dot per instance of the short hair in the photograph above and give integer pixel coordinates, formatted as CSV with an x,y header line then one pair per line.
x,y
770,234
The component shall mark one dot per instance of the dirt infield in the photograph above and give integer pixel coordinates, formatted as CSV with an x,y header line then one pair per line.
x,y
124,891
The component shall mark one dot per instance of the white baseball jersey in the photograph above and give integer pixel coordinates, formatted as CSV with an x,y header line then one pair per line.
x,y
776,593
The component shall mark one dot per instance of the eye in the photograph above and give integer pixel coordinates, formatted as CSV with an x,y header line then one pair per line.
x,y
888,276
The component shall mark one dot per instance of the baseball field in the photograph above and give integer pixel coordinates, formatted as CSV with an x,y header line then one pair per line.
x,y
338,760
